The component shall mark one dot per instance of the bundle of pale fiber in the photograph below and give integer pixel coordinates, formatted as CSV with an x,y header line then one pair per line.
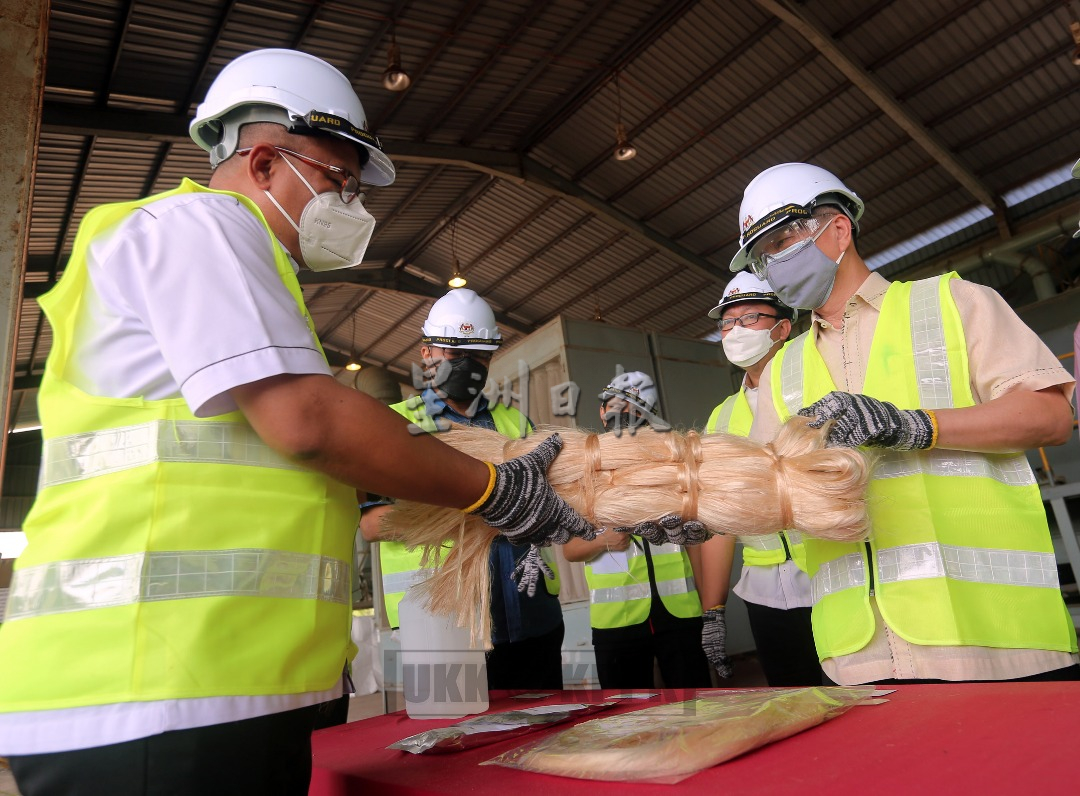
x,y
732,484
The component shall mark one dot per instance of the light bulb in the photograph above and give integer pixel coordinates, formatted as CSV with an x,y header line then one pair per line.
x,y
395,78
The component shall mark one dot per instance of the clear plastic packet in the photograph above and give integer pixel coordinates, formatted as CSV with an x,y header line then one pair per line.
x,y
492,727
667,743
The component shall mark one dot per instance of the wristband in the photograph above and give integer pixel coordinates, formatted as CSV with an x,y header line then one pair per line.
x,y
487,492
934,426
717,607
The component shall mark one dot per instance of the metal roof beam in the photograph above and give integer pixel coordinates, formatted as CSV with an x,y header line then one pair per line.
x,y
510,166
397,281
876,91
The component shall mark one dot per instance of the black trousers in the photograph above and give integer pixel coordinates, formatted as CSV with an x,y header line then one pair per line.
x,y
628,664
264,756
534,664
785,645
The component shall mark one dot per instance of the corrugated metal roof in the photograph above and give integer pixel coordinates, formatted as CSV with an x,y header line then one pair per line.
x,y
711,94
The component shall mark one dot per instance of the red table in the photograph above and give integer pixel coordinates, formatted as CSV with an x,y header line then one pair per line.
x,y
927,740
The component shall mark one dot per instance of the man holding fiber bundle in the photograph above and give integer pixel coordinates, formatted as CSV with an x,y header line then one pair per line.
x,y
958,579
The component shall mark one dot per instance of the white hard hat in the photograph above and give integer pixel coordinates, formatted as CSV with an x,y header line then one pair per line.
x,y
291,88
744,286
786,192
635,387
461,319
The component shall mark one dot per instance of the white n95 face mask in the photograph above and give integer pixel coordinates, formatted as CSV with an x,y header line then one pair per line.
x,y
745,347
332,234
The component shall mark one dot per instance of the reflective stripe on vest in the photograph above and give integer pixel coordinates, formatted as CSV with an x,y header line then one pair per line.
x,y
63,586
624,599
734,416
641,591
92,453
935,513
929,560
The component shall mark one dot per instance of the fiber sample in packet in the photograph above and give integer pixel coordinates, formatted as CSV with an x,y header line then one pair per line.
x,y
668,743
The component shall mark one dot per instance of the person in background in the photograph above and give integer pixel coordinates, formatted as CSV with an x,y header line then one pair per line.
x,y
459,338
754,324
958,579
182,605
643,602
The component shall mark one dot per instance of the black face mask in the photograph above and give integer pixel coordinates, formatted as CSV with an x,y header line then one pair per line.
x,y
466,379
616,420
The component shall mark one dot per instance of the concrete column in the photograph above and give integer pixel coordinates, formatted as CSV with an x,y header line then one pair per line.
x,y
23,26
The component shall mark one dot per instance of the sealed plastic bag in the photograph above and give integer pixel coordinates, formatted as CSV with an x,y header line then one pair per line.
x,y
492,727
667,743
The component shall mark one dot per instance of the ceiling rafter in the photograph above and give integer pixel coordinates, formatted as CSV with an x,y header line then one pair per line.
x,y
876,91
522,26
67,118
584,23
648,33
463,17
595,286
693,85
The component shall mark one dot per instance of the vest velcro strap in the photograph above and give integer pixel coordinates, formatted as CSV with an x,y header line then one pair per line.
x,y
65,586
78,457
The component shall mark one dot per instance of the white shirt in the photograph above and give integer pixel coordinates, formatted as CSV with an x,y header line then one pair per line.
x,y
183,299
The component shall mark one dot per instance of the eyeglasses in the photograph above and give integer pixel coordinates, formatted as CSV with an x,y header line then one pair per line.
x,y
348,185
749,319
786,241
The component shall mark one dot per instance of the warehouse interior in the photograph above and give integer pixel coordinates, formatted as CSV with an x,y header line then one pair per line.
x,y
577,162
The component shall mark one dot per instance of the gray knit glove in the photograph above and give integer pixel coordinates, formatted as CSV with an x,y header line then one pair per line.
x,y
523,506
862,420
668,529
714,641
528,570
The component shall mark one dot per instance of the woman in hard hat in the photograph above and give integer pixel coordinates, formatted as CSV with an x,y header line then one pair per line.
x,y
754,324
643,601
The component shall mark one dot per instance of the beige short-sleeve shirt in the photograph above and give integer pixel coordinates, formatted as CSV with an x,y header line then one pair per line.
x,y
1004,355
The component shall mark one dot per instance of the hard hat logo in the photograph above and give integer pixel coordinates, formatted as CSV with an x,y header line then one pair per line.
x,y
466,330
747,222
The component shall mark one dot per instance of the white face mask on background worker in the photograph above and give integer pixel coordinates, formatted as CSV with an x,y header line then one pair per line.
x,y
744,342
334,227
745,347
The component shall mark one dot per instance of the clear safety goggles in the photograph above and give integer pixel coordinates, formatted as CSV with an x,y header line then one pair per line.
x,y
786,241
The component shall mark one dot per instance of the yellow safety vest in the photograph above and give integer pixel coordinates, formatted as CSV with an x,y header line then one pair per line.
x,y
734,416
619,590
169,556
960,552
400,566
